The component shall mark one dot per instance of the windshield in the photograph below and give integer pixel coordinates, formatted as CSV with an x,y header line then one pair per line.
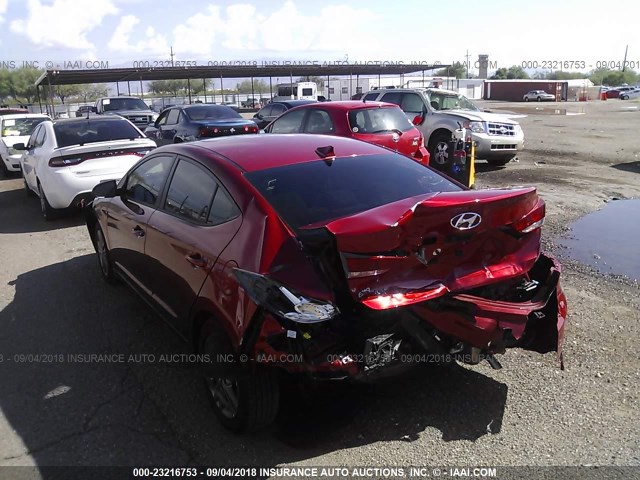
x,y
211,112
19,127
312,192
112,104
451,101
378,120
93,130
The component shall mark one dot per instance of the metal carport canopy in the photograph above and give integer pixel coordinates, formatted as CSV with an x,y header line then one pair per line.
x,y
111,75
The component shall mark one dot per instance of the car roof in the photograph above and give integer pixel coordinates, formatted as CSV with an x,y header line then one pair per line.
x,y
23,115
102,118
294,103
263,151
346,105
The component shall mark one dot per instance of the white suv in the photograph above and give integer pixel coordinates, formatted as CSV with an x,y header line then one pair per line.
x,y
63,160
437,113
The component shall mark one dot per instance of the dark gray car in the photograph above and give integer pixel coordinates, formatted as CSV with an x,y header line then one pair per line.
x,y
270,112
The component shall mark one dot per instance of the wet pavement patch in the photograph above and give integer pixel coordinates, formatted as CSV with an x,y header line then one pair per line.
x,y
608,239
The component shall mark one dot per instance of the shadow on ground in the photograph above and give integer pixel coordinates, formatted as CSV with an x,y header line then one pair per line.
x,y
628,167
130,407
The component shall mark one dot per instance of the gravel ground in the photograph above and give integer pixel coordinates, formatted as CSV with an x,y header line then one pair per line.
x,y
60,412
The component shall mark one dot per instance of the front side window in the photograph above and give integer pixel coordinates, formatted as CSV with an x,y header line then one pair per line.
x,y
191,192
319,122
370,97
412,104
450,101
265,112
277,109
172,116
145,183
290,122
41,137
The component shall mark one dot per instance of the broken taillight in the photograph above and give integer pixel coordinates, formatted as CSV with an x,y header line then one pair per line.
x,y
532,220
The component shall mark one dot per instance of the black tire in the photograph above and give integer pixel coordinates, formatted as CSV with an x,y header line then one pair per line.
x,y
104,256
526,99
243,401
4,171
48,212
539,99
439,150
499,163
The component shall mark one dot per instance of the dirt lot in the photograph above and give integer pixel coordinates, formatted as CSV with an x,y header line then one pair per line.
x,y
57,411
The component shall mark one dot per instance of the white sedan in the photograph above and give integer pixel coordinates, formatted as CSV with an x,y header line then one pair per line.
x,y
626,95
64,159
539,96
15,128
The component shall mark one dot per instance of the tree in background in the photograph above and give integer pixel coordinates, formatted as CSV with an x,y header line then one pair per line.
x,y
64,91
259,86
458,70
19,84
168,87
604,76
513,72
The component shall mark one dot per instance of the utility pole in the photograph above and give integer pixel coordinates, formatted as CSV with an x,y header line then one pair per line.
x,y
172,55
624,63
467,56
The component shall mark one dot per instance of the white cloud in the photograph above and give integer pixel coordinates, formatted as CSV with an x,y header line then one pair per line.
x,y
152,44
241,27
64,23
3,9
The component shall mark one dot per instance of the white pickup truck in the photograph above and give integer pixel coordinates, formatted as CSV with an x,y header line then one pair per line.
x,y
437,112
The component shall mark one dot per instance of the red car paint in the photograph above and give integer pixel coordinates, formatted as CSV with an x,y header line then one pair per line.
x,y
469,298
409,142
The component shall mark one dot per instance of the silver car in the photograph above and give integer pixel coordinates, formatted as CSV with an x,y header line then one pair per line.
x,y
539,96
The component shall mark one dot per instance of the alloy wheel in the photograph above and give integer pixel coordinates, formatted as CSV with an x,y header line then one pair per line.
x,y
103,254
442,153
225,393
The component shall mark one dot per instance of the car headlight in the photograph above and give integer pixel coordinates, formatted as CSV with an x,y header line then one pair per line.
x,y
282,301
476,127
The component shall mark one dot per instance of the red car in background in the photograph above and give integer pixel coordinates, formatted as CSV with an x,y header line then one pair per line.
x,y
384,124
324,257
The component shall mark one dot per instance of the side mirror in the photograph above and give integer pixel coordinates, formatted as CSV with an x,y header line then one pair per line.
x,y
105,189
19,146
417,120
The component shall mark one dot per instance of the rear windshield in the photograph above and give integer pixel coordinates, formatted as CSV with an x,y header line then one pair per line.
x,y
313,192
378,120
94,130
213,112
18,127
113,104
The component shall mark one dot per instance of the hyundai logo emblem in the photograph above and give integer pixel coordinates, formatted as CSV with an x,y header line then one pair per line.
x,y
232,130
395,137
466,221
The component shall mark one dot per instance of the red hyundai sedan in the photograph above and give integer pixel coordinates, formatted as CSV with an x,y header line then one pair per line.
x,y
384,124
325,257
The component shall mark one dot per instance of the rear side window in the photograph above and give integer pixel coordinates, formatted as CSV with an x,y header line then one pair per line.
x,y
289,123
312,192
94,130
195,195
319,121
191,192
378,120
145,183
392,97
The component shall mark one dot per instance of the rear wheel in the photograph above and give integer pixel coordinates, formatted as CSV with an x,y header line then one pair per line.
x,y
48,212
243,401
439,149
104,257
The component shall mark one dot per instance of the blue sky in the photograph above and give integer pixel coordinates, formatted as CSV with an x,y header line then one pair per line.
x,y
124,31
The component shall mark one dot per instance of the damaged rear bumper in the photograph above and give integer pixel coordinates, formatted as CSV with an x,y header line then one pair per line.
x,y
527,312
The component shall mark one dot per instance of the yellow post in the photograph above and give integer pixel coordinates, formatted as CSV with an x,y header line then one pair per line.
x,y
472,165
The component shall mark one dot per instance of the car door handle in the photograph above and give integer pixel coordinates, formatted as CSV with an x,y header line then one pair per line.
x,y
138,231
197,260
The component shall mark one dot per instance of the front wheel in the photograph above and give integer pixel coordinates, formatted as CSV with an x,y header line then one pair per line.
x,y
526,99
439,149
243,401
539,99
